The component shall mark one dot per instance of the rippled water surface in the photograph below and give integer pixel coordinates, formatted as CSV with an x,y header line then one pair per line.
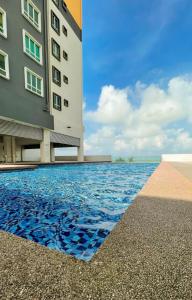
x,y
70,208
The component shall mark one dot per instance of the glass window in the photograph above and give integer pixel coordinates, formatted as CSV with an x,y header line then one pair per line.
x,y
66,103
32,47
65,55
65,79
65,31
4,65
56,101
33,82
3,23
64,5
55,23
56,76
55,49
32,13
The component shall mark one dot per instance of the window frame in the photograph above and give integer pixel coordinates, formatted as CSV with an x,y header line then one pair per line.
x,y
39,27
54,106
59,72
4,34
65,79
65,30
65,55
37,43
55,29
52,43
7,76
64,5
66,103
26,69
57,4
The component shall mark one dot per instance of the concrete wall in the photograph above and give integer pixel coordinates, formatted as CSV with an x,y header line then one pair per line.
x,y
15,101
34,155
177,157
87,158
69,116
31,155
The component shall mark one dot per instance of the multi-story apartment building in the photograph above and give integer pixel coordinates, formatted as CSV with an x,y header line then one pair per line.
x,y
40,77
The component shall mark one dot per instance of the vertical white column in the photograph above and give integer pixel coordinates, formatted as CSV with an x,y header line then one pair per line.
x,y
80,151
52,153
13,149
18,152
7,140
1,153
45,148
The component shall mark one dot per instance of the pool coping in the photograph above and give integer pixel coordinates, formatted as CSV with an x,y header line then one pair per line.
x,y
34,165
146,256
15,167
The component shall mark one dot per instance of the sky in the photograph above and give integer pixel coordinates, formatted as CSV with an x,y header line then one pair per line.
x,y
137,57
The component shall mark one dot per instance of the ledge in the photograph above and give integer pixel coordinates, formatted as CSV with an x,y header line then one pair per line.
x,y
11,167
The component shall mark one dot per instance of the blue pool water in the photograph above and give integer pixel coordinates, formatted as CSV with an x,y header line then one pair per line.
x,y
70,208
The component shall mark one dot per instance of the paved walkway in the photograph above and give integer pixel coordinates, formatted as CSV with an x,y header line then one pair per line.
x,y
147,256
8,167
184,168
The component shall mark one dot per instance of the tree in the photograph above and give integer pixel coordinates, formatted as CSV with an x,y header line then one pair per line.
x,y
120,160
131,159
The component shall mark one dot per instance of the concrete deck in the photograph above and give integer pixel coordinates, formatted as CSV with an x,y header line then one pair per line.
x,y
12,167
184,168
147,256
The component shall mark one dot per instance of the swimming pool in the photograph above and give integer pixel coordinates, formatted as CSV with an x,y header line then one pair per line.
x,y
70,208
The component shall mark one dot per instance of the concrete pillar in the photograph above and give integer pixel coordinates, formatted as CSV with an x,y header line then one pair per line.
x,y
45,149
18,153
2,158
52,153
7,141
13,149
80,150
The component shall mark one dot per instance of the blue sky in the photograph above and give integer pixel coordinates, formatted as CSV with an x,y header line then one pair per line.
x,y
137,50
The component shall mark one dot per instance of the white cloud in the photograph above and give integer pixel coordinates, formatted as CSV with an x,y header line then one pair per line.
x,y
113,106
145,128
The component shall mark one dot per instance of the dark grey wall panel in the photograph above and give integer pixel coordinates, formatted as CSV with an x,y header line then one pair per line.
x,y
16,102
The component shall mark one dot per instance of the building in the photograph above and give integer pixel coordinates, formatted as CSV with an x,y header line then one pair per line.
x,y
40,77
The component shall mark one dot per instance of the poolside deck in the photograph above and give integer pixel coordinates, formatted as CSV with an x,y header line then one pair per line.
x,y
147,256
12,167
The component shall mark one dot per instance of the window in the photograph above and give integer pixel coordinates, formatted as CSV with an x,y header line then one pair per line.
x,y
33,82
64,5
65,55
31,13
66,103
65,31
55,23
56,76
32,48
4,65
56,50
56,102
56,2
3,23
66,79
